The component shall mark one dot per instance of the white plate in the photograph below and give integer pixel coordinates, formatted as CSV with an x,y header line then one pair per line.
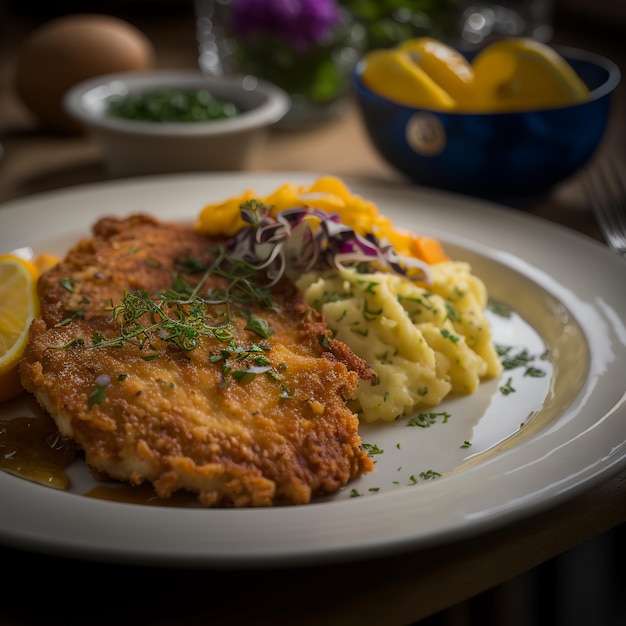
x,y
568,296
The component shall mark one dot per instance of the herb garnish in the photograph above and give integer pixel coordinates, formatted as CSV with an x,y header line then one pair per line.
x,y
372,448
498,308
183,314
429,475
424,420
446,334
523,358
97,395
507,388
67,284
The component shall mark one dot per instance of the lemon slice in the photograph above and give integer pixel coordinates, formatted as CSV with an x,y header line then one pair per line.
x,y
445,65
521,74
19,305
394,74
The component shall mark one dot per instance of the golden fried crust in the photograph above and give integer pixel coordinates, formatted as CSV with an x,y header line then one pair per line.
x,y
172,416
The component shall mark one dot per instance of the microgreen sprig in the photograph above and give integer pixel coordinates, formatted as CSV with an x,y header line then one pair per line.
x,y
182,314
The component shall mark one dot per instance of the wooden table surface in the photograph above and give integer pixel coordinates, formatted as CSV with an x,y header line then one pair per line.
x,y
395,590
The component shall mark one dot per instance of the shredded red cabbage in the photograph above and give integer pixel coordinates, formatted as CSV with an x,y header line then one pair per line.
x,y
303,239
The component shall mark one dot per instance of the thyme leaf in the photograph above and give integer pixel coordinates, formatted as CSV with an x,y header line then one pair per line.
x,y
183,314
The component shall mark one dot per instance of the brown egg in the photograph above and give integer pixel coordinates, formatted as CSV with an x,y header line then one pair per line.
x,y
72,48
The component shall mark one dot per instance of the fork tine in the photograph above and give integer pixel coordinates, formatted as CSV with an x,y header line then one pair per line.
x,y
612,183
593,188
606,193
620,210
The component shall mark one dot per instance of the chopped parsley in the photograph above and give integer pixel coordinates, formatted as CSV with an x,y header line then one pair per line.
x,y
424,420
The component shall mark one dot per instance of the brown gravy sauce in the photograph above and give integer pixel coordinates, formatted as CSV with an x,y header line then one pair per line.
x,y
31,447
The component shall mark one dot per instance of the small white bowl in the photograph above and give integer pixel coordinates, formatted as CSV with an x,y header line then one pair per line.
x,y
134,147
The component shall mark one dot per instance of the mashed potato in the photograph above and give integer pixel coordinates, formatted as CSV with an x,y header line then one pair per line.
x,y
424,342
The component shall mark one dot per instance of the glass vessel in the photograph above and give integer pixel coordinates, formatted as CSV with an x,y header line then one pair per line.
x,y
309,48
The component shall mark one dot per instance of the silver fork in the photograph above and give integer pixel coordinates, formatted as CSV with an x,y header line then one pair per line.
x,y
606,194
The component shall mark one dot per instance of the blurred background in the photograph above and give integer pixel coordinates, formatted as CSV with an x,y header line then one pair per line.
x,y
192,34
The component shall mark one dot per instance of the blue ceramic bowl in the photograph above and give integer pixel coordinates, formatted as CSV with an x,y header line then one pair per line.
x,y
493,155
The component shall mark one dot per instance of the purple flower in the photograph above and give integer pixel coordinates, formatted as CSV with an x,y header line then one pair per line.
x,y
302,22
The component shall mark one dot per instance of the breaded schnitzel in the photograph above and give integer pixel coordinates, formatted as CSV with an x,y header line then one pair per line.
x,y
167,365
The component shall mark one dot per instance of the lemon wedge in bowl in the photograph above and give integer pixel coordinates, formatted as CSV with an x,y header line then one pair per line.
x,y
19,305
522,74
445,65
394,73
